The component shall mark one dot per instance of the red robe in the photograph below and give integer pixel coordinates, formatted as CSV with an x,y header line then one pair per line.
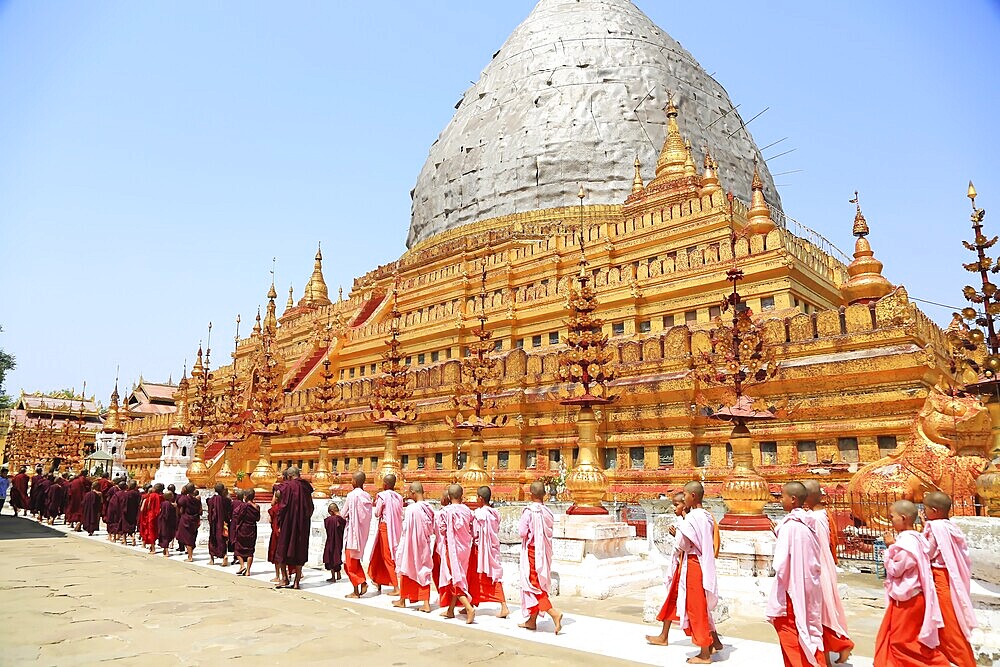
x,y
54,499
166,524
74,500
149,514
295,526
220,513
19,492
130,511
189,518
274,512
244,529
333,550
91,512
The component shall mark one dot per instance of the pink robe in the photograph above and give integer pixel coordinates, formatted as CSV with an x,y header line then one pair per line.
x,y
486,534
413,555
389,510
908,573
535,527
358,513
797,577
833,610
455,527
949,550
697,536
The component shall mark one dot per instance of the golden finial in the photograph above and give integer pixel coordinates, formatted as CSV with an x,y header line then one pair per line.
x,y
709,178
759,216
689,168
972,193
866,282
113,422
198,369
340,294
256,326
637,184
674,155
582,194
860,224
316,293
291,302
271,319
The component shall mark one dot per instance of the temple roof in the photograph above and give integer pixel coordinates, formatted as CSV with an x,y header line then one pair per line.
x,y
568,100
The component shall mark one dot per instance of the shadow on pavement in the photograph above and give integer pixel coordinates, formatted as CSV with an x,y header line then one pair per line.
x,y
12,528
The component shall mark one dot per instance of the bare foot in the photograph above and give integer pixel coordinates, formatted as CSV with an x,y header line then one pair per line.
x,y
448,614
399,604
557,619
472,616
504,612
275,580
527,625
190,560
716,642
843,657
364,588
698,660
426,608
656,640
352,596
394,591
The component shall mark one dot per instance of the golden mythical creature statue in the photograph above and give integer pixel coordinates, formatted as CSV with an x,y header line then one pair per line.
x,y
946,450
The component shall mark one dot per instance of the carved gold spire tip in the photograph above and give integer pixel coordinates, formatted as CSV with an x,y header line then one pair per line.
x,y
860,224
637,184
759,216
972,193
866,282
674,157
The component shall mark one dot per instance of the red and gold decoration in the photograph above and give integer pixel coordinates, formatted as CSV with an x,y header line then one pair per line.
x,y
326,424
586,361
266,401
390,402
203,412
230,422
738,359
480,374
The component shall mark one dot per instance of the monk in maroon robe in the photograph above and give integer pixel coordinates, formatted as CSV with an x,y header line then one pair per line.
x,y
130,512
220,513
188,519
107,493
293,532
237,499
243,530
39,487
54,498
114,514
166,523
273,557
77,488
19,491
333,550
91,511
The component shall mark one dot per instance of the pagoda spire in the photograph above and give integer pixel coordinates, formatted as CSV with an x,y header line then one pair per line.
x,y
674,156
759,216
637,184
316,293
271,319
710,176
256,327
113,422
291,302
180,424
866,282
689,167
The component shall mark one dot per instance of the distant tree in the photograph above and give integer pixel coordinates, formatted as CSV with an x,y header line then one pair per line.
x,y
7,363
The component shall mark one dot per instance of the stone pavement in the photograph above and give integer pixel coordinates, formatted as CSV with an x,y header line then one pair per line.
x,y
70,599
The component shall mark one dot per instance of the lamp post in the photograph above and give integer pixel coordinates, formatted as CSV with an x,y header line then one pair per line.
x,y
390,404
480,373
588,362
739,358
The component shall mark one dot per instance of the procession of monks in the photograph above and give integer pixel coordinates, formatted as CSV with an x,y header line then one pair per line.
x,y
456,549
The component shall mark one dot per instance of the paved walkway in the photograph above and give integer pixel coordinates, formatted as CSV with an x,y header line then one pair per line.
x,y
73,600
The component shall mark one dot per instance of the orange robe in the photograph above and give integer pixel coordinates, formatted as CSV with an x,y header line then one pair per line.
x,y
412,591
481,587
953,644
668,612
355,570
543,597
696,604
897,645
382,567
788,637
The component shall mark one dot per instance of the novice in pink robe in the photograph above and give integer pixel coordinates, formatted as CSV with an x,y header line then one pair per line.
x,y
698,585
358,513
951,568
795,606
908,636
485,571
414,562
389,513
455,527
535,528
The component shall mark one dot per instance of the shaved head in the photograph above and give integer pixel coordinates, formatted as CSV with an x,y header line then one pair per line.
x,y
389,481
938,500
292,472
906,509
696,489
359,479
485,493
455,492
796,490
537,490
814,493
417,487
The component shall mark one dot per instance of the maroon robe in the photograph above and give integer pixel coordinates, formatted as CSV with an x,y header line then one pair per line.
x,y
74,500
233,518
189,518
220,512
294,526
54,498
130,511
333,552
19,492
274,512
91,511
166,524
243,529
39,487
115,512
107,494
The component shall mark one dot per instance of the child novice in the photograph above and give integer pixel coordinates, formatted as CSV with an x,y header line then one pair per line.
x,y
668,612
333,550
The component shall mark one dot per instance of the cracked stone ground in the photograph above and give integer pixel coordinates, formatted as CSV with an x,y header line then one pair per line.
x,y
69,601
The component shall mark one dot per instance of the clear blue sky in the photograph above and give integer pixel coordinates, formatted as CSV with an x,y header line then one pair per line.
x,y
154,156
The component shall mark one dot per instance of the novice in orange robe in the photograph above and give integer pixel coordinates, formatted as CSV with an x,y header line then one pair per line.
x,y
951,568
358,513
835,639
535,528
389,513
668,612
908,636
698,586
414,564
795,605
485,570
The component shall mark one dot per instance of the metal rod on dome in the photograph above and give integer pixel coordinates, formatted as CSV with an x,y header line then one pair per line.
x,y
774,157
743,126
723,115
773,143
635,112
